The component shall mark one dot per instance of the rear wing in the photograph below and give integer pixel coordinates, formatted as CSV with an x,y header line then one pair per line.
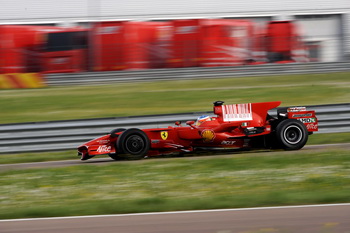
x,y
237,112
254,113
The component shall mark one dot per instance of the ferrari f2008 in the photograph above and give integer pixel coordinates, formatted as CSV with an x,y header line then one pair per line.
x,y
234,126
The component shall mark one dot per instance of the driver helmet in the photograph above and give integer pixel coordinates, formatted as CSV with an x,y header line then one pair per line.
x,y
202,119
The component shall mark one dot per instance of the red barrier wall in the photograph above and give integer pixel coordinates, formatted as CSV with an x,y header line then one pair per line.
x,y
226,42
121,45
42,49
130,45
186,43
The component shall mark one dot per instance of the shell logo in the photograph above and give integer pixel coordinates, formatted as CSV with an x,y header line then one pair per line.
x,y
208,135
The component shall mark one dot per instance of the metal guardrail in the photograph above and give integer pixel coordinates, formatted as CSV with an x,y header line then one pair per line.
x,y
65,135
89,78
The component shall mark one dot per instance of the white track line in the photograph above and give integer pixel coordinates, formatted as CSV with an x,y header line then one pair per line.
x,y
176,212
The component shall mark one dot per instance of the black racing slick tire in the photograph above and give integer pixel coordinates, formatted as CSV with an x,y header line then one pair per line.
x,y
133,144
291,134
114,134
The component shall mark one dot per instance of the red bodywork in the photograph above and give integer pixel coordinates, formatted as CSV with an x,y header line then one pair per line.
x,y
233,127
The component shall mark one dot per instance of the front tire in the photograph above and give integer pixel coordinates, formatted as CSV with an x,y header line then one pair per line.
x,y
115,132
291,134
133,144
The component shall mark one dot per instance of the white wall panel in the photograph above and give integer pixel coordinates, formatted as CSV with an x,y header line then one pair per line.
x,y
326,30
46,9
41,9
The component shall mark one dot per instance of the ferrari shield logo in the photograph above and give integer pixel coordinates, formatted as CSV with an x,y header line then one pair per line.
x,y
164,135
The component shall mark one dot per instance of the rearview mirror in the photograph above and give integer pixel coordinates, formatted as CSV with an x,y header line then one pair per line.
x,y
189,122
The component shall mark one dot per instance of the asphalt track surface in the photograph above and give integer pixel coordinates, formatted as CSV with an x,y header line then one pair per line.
x,y
105,161
301,219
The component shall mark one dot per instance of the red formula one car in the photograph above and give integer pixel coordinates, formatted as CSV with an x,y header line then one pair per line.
x,y
235,126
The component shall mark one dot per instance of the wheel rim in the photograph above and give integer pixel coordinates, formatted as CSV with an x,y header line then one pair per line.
x,y
134,144
293,134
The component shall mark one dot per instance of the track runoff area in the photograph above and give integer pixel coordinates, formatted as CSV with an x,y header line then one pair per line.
x,y
300,218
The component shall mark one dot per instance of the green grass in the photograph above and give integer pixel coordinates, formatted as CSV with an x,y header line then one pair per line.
x,y
37,157
329,138
237,180
60,103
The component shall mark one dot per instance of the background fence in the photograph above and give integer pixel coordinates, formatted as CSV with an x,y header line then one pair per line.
x,y
65,135
89,78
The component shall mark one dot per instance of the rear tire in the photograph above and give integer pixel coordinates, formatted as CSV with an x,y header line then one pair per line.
x,y
291,134
133,144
